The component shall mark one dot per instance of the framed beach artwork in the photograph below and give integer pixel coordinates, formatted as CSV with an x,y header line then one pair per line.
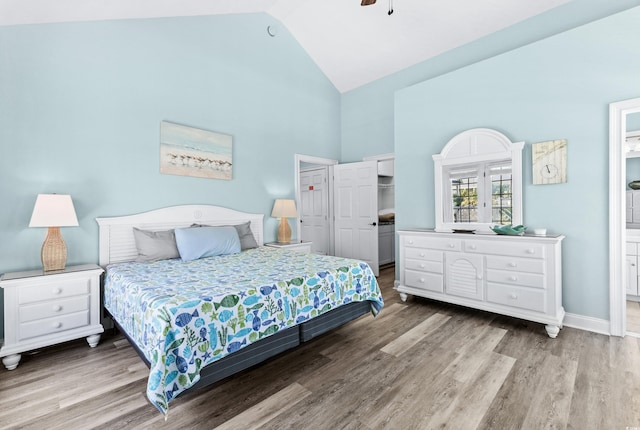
x,y
188,151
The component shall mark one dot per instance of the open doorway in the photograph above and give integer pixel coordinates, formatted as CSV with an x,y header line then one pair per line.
x,y
619,114
632,191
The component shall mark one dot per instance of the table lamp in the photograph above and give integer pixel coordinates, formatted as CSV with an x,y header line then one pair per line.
x,y
283,209
53,211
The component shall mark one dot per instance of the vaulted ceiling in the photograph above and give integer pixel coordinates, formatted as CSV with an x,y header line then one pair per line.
x,y
353,45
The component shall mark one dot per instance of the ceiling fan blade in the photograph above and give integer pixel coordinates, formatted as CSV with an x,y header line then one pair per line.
x,y
367,2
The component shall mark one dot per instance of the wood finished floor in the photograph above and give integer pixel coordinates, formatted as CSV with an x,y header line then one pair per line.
x,y
633,317
418,365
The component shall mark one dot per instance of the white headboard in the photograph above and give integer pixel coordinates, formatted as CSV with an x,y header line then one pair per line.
x,y
117,243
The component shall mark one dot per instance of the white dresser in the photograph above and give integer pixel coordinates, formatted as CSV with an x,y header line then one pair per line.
x,y
520,276
46,309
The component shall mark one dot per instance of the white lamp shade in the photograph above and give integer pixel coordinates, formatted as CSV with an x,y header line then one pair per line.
x,y
284,208
53,210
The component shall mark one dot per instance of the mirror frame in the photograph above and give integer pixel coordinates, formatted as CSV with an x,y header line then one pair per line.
x,y
474,146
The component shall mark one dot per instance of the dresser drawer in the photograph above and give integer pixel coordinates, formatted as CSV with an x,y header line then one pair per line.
x,y
424,254
424,281
38,311
424,266
52,290
53,325
515,264
528,250
523,298
516,278
432,243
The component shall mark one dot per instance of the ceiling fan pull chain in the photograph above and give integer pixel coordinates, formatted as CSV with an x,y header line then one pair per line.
x,y
390,7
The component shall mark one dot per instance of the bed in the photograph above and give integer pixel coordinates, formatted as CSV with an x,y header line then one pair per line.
x,y
196,320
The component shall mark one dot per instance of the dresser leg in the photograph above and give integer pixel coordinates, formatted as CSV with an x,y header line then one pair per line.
x,y
403,297
552,330
11,361
93,340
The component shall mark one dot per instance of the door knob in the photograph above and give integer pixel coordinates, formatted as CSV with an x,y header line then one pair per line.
x,y
373,224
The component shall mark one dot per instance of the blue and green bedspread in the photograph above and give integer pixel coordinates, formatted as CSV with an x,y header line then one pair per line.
x,y
185,314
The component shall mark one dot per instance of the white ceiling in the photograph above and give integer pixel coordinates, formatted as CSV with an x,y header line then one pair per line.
x,y
352,45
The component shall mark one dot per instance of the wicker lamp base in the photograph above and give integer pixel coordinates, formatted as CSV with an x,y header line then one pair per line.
x,y
54,251
284,231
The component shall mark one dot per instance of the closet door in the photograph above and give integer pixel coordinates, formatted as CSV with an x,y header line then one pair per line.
x,y
356,211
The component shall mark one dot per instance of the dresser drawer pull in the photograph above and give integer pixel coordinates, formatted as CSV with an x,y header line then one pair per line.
x,y
531,251
422,266
56,324
512,264
56,308
452,245
513,278
56,291
422,254
422,280
473,247
513,296
479,276
410,241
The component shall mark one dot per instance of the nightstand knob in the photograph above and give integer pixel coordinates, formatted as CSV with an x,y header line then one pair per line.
x,y
57,324
512,264
422,265
56,291
513,278
513,296
56,308
531,251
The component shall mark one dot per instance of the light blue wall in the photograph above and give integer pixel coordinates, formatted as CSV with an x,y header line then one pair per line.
x,y
81,105
368,111
558,88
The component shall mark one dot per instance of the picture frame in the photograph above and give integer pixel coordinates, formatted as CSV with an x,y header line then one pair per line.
x,y
189,151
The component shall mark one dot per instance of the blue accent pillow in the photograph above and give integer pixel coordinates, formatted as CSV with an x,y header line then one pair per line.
x,y
194,243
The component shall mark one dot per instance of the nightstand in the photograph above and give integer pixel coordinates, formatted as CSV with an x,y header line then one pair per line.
x,y
294,245
42,309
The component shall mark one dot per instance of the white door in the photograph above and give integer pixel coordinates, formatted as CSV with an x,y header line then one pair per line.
x,y
314,209
356,211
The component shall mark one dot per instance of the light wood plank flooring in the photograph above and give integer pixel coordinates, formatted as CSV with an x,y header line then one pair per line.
x,y
418,365
633,317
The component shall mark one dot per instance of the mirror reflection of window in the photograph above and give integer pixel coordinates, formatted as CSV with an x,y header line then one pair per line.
x,y
481,192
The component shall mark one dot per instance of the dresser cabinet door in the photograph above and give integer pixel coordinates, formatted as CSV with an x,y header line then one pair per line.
x,y
464,275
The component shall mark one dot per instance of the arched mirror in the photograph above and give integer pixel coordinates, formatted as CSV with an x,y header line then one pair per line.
x,y
478,181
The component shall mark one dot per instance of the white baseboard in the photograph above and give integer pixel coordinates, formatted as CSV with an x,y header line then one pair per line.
x,y
582,322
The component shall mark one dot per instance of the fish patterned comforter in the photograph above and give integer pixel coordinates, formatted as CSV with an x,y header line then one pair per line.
x,y
186,314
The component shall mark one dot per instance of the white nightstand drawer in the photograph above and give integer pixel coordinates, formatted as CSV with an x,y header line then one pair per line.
x,y
40,311
524,298
52,290
53,325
